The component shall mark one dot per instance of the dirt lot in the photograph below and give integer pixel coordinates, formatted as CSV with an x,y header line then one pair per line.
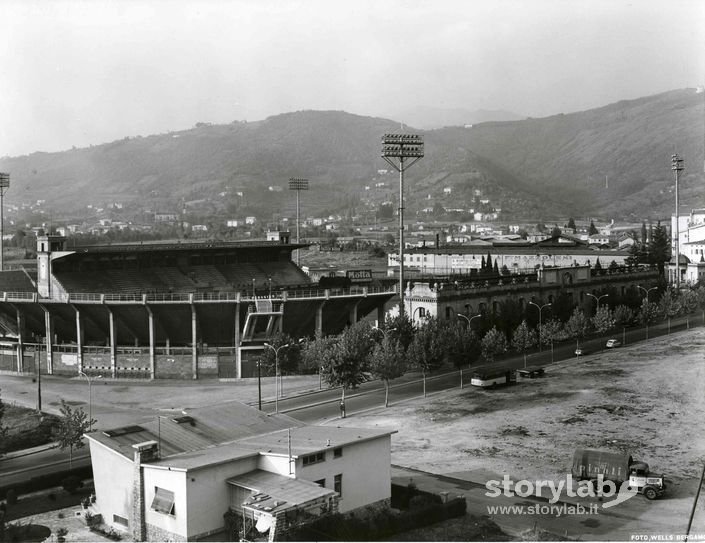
x,y
646,399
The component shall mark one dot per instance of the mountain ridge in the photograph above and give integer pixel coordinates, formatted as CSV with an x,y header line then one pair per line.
x,y
558,164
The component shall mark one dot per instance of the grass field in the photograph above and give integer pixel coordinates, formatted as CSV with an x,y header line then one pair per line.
x,y
26,428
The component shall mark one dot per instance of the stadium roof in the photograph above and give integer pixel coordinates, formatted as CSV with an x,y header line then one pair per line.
x,y
152,246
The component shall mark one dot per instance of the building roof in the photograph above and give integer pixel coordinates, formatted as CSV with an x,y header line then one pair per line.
x,y
201,429
310,439
223,433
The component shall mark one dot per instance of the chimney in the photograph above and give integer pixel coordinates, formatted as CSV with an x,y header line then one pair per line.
x,y
145,451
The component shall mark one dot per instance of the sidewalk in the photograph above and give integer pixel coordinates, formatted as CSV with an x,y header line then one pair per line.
x,y
27,452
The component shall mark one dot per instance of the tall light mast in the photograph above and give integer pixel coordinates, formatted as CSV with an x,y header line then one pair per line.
x,y
396,150
677,167
4,185
298,184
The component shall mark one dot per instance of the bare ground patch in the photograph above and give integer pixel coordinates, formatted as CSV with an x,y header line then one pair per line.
x,y
645,399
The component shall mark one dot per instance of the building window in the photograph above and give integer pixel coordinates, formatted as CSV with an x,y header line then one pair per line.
x,y
314,458
321,483
338,484
163,501
337,453
122,521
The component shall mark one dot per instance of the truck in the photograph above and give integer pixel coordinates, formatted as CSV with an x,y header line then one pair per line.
x,y
618,467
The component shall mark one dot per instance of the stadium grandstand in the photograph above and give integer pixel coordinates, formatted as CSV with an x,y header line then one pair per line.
x,y
167,309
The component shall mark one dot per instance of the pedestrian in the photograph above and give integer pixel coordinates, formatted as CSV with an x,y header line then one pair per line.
x,y
342,409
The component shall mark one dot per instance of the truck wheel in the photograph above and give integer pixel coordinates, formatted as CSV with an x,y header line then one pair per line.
x,y
650,493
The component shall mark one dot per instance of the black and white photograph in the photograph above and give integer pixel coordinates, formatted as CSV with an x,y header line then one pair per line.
x,y
384,270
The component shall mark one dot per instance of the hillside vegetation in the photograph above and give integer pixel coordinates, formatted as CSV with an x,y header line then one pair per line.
x,y
555,165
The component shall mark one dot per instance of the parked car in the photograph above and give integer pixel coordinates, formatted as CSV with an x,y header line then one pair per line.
x,y
611,343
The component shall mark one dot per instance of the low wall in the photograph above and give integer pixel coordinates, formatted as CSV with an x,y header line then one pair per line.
x,y
129,363
173,366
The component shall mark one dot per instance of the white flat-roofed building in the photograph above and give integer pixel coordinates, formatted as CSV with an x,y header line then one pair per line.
x,y
175,477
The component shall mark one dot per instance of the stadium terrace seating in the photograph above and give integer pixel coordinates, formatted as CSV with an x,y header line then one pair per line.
x,y
231,277
280,273
16,281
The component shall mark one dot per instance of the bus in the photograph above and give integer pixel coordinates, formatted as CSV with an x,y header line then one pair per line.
x,y
493,378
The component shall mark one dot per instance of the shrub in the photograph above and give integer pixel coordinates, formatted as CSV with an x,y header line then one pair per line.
x,y
11,496
71,484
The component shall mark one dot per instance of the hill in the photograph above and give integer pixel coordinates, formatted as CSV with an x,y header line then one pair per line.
x,y
551,166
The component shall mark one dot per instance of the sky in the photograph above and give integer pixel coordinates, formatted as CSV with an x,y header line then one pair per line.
x,y
80,72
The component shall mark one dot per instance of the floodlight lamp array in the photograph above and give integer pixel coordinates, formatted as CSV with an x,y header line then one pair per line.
x,y
402,145
676,163
296,183
4,180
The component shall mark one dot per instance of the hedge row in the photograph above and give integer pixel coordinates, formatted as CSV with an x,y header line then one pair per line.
x,y
44,482
382,524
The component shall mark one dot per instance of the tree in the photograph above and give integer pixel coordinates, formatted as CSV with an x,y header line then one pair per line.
x,y
387,362
541,227
592,230
670,304
549,331
523,338
577,325
400,328
556,231
289,357
603,319
647,312
571,224
314,352
463,346
350,357
493,343
488,263
73,423
598,266
427,350
659,247
623,315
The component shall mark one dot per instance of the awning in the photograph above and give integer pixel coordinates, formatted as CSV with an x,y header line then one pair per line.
x,y
273,493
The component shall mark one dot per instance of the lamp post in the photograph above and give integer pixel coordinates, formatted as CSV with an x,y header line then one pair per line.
x,y
646,291
646,297
540,308
259,384
384,334
677,167
298,184
4,185
598,298
469,319
396,149
90,401
276,373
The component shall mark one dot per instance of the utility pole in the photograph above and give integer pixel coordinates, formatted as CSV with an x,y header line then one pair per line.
x,y
677,167
396,148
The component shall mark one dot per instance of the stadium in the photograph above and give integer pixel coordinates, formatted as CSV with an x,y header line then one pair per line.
x,y
179,310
